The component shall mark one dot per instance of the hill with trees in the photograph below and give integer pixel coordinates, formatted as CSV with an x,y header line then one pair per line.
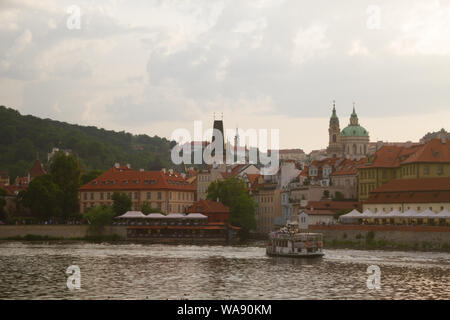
x,y
24,138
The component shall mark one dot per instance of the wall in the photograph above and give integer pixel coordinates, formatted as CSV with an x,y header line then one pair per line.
x,y
59,231
400,234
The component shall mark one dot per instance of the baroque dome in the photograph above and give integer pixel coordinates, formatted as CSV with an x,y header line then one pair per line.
x,y
354,131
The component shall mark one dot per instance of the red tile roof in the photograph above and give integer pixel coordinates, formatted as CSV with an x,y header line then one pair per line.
x,y
349,167
424,184
333,205
392,156
433,151
319,212
426,190
37,170
3,175
208,206
124,178
12,189
253,178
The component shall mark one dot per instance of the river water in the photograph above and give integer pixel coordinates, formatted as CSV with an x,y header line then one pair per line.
x,y
140,271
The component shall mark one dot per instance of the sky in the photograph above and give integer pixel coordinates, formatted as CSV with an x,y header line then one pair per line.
x,y
152,67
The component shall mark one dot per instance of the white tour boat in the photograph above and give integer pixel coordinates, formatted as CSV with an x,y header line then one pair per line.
x,y
288,242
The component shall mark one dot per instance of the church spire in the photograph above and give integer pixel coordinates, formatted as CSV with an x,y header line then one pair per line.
x,y
334,120
354,117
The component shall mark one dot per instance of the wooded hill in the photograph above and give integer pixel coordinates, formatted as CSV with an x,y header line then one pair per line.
x,y
23,138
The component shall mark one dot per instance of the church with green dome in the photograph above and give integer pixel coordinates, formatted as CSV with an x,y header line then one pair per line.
x,y
352,142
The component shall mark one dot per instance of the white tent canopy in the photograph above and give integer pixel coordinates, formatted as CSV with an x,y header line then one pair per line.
x,y
393,214
132,215
175,216
443,214
155,216
354,214
426,214
196,216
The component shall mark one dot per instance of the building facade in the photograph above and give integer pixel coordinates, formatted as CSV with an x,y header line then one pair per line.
x,y
164,190
428,160
410,194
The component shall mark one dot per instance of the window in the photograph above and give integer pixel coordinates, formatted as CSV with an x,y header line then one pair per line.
x,y
85,196
135,195
440,170
149,195
92,196
426,170
159,196
108,196
101,195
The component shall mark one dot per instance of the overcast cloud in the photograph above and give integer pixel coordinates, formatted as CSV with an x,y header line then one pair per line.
x,y
154,66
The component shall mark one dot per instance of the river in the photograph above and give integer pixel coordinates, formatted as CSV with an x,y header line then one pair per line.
x,y
141,271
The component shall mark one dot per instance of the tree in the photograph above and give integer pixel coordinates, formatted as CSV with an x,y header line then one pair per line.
x,y
43,197
65,173
338,196
122,203
89,176
146,209
99,217
232,192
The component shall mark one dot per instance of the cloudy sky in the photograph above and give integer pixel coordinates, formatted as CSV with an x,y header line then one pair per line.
x,y
155,66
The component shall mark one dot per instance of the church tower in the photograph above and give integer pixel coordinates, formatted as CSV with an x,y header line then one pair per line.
x,y
218,134
334,145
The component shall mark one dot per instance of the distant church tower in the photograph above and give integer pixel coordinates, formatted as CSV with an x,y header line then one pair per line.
x,y
334,133
218,125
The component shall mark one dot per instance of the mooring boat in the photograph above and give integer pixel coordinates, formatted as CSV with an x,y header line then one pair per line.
x,y
291,243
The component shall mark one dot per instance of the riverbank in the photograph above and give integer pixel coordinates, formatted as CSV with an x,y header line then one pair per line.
x,y
404,238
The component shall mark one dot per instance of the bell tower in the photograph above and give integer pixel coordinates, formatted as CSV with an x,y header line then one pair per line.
x,y
334,145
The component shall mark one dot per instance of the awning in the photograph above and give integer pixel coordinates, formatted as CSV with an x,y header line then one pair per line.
x,y
131,215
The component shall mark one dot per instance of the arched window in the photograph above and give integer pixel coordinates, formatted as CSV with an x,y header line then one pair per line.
x,y
354,149
334,138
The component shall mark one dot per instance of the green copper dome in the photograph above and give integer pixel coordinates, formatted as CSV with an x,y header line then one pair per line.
x,y
354,131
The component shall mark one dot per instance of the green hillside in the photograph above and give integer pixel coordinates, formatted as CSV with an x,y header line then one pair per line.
x,y
22,138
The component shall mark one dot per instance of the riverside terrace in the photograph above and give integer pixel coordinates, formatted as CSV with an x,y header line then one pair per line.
x,y
175,227
395,217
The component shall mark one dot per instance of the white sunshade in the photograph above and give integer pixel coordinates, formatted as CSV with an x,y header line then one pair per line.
x,y
196,216
443,214
408,214
393,214
351,215
368,214
175,215
131,214
155,216
426,214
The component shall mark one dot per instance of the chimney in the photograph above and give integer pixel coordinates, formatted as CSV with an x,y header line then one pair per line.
x,y
128,166
183,175
141,170
163,170
171,171
117,165
217,199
